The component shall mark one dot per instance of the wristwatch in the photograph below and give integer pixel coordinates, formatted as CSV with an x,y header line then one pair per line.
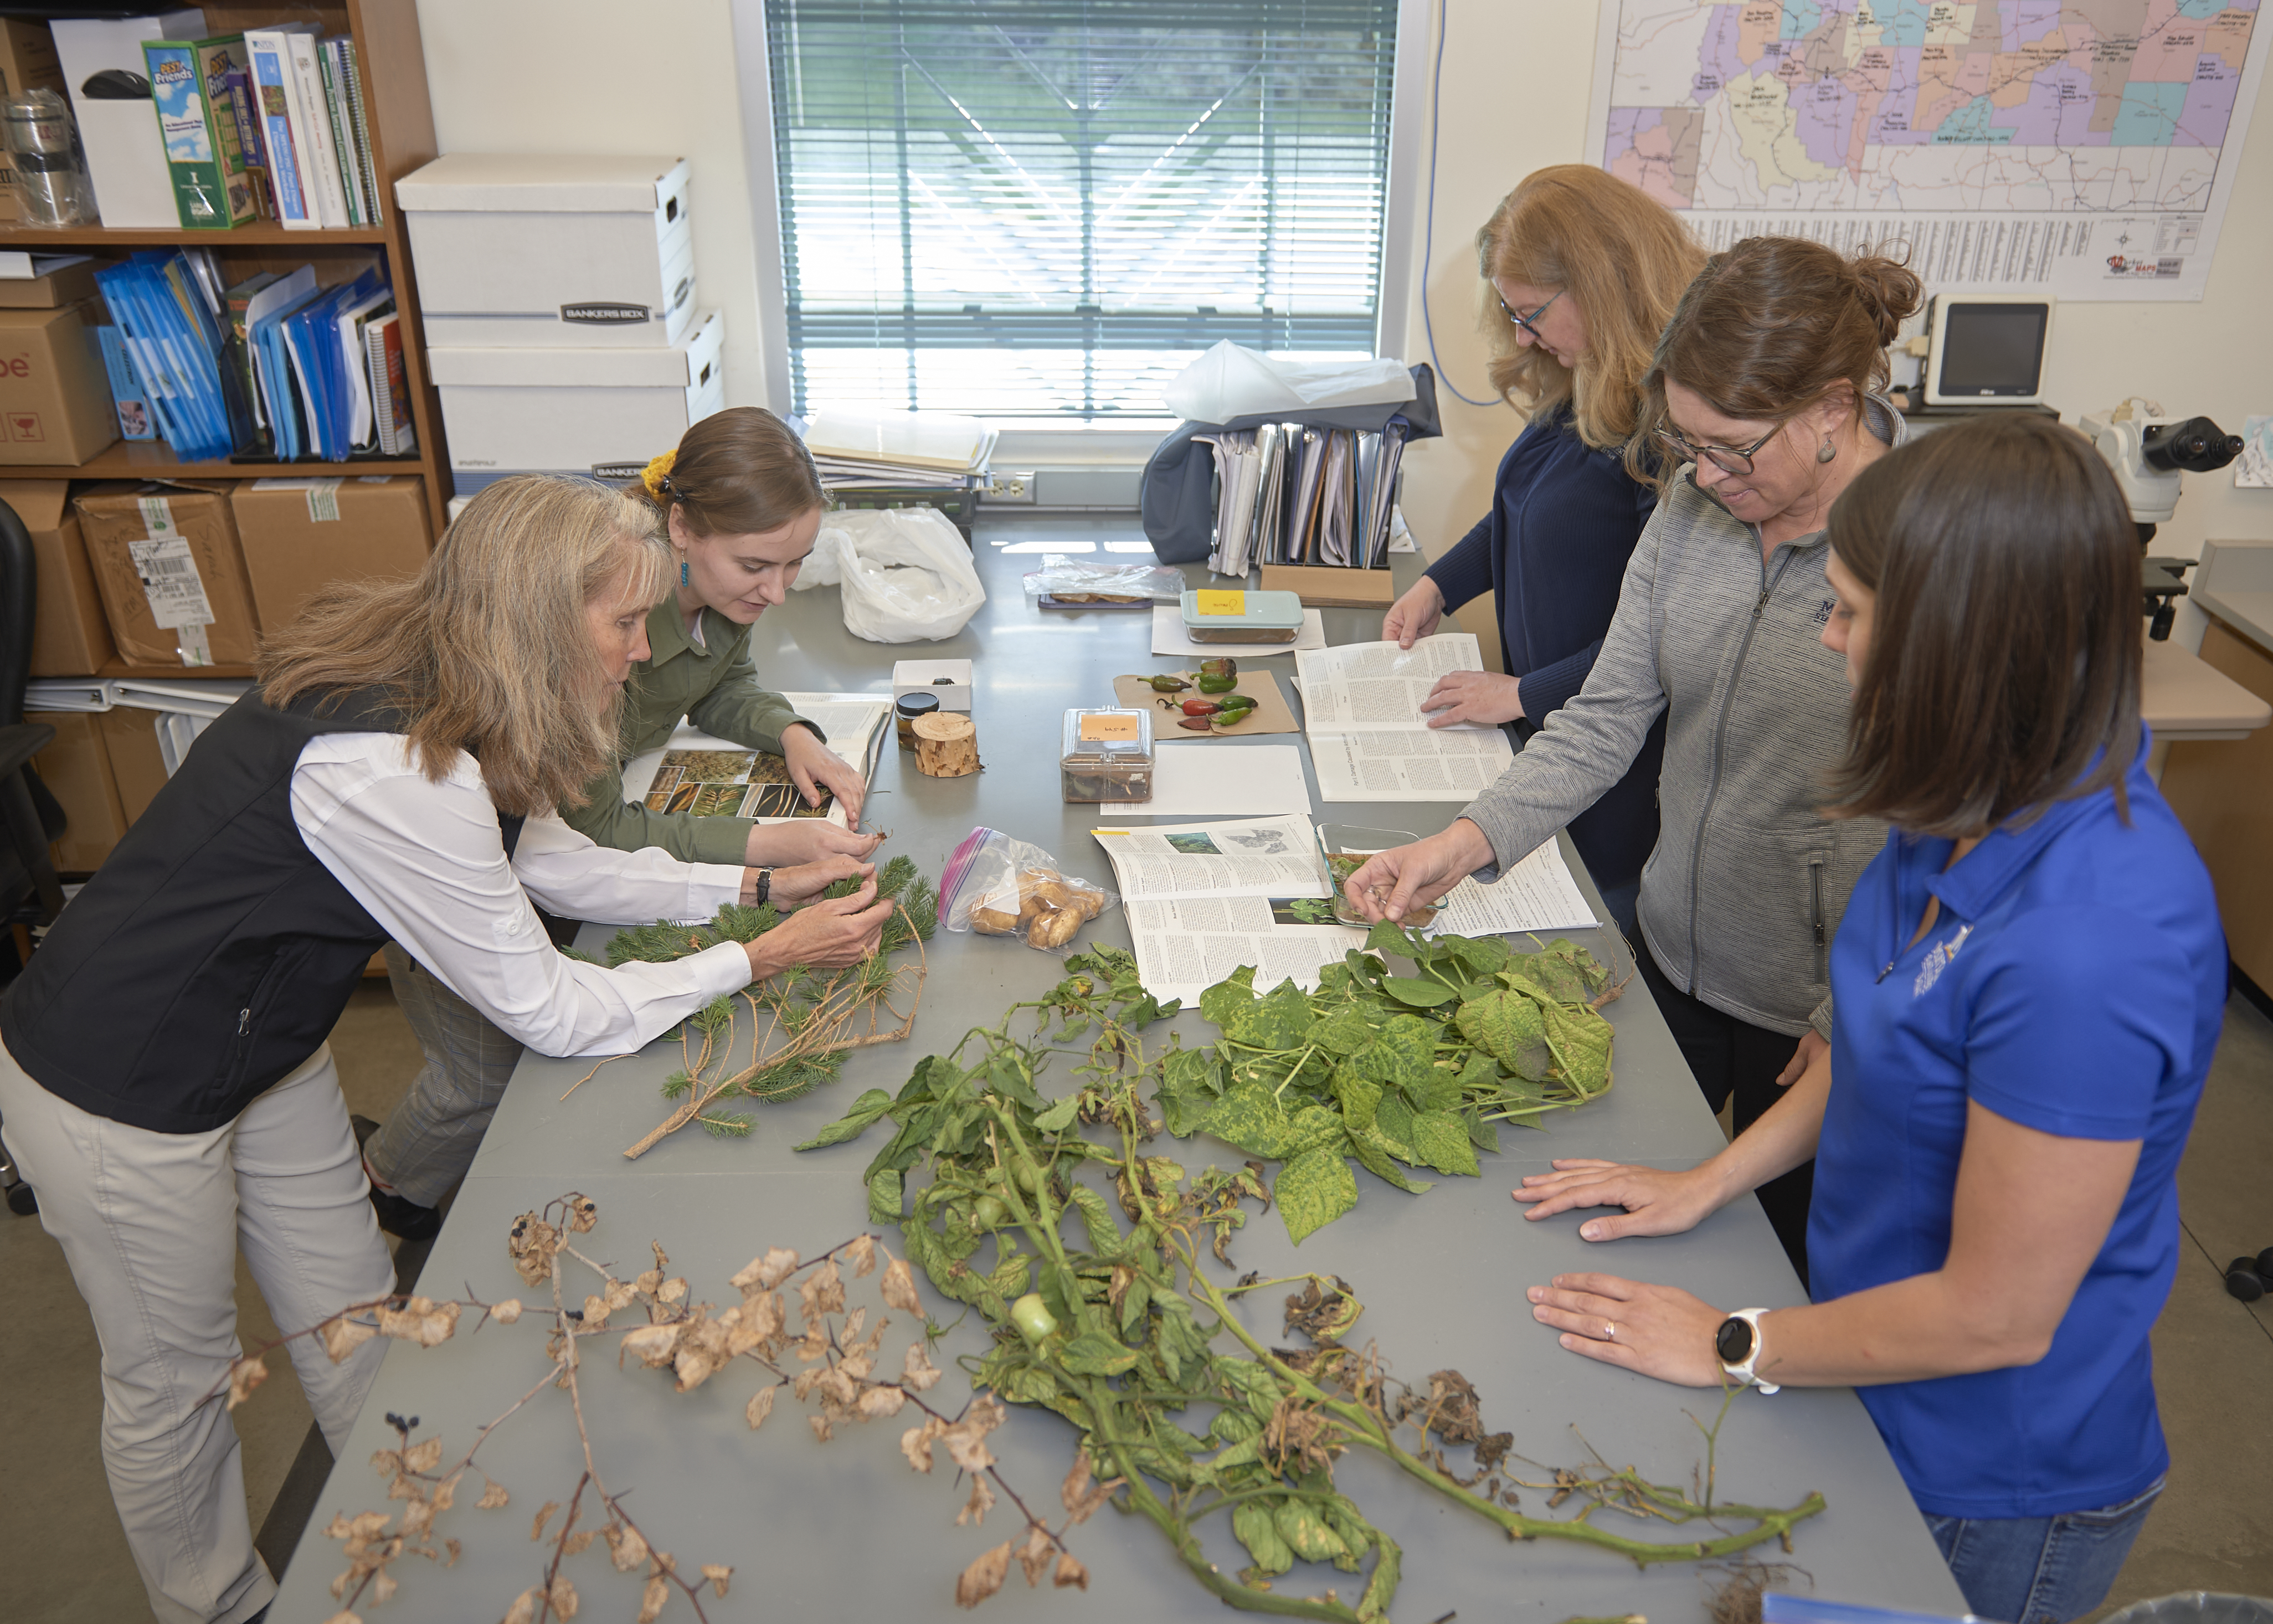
x,y
1738,1343
765,885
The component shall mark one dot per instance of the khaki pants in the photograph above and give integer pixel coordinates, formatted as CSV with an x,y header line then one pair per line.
x,y
428,1141
151,1224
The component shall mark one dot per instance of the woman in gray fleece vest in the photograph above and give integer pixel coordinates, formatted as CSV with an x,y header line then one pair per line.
x,y
1763,399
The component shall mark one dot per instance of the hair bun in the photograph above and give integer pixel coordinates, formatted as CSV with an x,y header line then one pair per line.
x,y
1890,290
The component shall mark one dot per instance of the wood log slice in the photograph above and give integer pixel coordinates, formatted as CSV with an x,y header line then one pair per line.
x,y
946,745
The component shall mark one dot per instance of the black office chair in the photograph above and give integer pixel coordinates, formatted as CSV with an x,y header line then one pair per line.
x,y
30,817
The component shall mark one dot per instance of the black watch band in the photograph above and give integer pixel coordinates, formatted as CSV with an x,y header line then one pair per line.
x,y
765,885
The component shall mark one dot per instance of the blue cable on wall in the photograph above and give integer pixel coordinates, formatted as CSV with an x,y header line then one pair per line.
x,y
1428,226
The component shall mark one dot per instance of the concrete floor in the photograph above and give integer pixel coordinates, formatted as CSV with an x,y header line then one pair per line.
x,y
2213,1357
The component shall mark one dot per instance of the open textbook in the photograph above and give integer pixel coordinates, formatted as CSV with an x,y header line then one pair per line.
x,y
705,777
1369,741
1205,899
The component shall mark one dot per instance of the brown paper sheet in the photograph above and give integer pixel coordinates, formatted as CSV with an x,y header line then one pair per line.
x,y
1271,714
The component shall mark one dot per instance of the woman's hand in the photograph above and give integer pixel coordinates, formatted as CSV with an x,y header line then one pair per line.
x,y
1659,1331
803,841
1813,1046
818,771
801,883
1656,1202
827,935
1415,615
1407,876
1472,696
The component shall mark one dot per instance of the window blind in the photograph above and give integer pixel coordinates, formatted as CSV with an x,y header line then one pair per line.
x,y
1046,207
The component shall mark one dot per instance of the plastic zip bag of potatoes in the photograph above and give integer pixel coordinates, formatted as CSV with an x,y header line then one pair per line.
x,y
998,885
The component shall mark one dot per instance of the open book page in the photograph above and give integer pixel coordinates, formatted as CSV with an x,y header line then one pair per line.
x,y
1409,764
1254,857
707,776
1537,894
1378,685
1186,946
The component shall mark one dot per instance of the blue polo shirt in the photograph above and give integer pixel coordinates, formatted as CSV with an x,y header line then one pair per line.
x,y
2074,983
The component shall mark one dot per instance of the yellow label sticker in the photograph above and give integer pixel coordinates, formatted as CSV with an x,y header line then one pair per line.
x,y
1100,726
1221,602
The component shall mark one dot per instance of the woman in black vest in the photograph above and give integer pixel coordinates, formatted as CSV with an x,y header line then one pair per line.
x,y
165,1082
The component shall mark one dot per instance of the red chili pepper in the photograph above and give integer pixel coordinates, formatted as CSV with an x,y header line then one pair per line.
x,y
1201,707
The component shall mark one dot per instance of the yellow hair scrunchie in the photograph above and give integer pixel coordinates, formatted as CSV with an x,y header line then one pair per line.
x,y
657,473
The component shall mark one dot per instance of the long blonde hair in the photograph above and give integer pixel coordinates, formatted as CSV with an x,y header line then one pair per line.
x,y
1621,255
487,649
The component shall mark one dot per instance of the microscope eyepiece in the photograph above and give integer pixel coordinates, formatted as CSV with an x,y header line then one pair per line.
x,y
2196,445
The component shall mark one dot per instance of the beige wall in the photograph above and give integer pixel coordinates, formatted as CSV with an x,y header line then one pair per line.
x,y
1516,81
1507,110
597,76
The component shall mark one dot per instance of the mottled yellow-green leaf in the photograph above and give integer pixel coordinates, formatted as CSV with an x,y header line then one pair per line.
x,y
1440,1140
1381,1588
1419,992
1276,1021
1393,1123
884,1196
1093,1353
1359,1096
1306,1533
1508,1025
1580,1040
1315,1188
1222,1003
1373,1153
1258,1531
1343,1032
1254,1385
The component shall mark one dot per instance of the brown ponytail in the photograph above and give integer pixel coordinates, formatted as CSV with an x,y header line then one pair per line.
x,y
738,472
1771,327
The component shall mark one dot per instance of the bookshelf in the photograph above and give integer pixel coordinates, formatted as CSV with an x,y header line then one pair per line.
x,y
392,64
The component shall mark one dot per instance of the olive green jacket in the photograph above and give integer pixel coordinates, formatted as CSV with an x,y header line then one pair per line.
x,y
712,684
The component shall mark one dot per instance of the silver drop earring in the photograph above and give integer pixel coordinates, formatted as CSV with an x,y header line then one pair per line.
x,y
1825,452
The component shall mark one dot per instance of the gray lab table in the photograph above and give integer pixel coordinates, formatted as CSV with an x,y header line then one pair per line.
x,y
844,1530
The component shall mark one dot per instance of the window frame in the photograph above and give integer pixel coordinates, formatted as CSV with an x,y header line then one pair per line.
x,y
1400,210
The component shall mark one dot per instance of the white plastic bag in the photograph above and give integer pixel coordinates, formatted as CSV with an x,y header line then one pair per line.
x,y
1228,381
906,573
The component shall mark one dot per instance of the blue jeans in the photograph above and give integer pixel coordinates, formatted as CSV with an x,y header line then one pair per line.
x,y
2040,1570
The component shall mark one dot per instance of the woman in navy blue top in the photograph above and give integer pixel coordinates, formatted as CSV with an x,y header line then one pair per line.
x,y
1587,270
2030,980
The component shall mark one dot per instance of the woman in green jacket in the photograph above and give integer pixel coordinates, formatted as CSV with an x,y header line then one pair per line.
x,y
741,504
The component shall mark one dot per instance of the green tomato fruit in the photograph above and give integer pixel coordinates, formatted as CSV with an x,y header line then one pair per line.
x,y
988,1211
1028,1177
1033,1317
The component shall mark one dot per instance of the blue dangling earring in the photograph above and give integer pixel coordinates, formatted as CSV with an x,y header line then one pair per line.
x,y
683,578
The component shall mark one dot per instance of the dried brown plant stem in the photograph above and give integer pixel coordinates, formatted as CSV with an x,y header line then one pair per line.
x,y
594,1072
826,1030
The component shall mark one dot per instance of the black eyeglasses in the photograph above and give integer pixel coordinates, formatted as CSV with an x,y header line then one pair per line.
x,y
1727,459
1525,322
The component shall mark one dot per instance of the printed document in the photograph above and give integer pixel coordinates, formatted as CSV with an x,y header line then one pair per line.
x,y
1369,739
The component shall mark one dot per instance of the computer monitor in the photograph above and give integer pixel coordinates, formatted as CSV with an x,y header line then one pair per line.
x,y
1987,350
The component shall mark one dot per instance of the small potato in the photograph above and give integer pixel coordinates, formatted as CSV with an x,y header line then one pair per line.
x,y
1054,930
994,922
1054,896
1088,898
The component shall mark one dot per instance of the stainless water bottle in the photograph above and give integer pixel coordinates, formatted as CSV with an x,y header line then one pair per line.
x,y
50,170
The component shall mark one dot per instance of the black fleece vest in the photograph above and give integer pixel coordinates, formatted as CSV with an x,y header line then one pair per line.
x,y
213,952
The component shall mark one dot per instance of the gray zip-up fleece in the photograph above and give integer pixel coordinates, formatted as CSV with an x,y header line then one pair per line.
x,y
1743,892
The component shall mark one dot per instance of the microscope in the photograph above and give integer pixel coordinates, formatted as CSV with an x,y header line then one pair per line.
x,y
2147,453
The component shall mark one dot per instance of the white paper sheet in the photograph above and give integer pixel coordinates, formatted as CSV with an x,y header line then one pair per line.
x,y
1418,764
1216,780
1538,894
1168,637
1185,947
1261,857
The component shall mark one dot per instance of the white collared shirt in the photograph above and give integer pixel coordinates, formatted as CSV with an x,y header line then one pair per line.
x,y
428,862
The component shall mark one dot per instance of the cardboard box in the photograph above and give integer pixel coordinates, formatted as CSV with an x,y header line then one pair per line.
x,y
601,411
949,680
138,766
300,535
125,159
172,576
55,397
27,62
1326,586
70,635
581,239
67,279
77,767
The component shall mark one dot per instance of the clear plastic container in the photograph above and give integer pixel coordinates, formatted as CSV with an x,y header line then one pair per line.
x,y
1106,755
1232,616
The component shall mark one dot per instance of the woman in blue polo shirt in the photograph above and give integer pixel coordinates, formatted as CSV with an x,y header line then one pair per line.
x,y
2030,979
1586,271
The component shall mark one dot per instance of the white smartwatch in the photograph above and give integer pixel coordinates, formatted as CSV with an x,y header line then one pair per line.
x,y
1738,1343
